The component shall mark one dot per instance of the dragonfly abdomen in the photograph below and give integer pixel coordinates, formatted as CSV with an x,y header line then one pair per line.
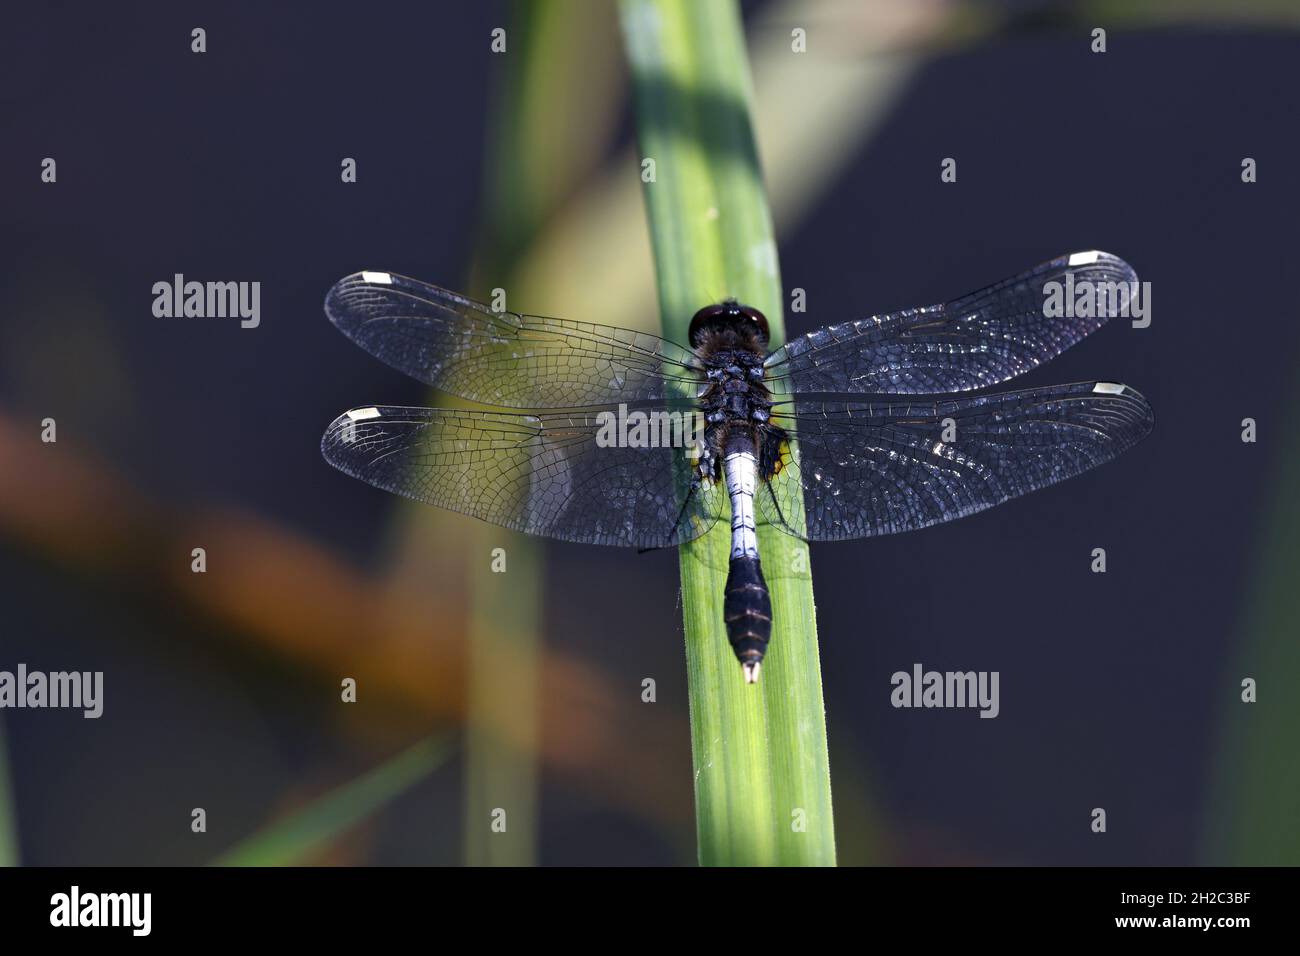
x,y
747,605
747,610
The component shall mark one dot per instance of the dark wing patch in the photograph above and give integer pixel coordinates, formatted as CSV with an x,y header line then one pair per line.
x,y
542,474
462,347
873,468
981,339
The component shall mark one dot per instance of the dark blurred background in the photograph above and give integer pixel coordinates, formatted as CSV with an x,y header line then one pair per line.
x,y
1119,690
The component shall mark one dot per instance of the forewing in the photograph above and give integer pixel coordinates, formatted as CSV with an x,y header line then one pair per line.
x,y
978,340
462,347
879,468
544,474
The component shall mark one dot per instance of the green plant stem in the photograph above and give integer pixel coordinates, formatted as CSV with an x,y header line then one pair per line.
x,y
762,779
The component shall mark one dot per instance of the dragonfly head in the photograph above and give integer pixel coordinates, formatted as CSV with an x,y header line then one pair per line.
x,y
731,317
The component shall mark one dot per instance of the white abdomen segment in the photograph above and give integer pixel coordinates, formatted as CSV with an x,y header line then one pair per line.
x,y
741,471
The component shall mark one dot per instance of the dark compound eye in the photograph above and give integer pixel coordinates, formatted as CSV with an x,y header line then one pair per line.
x,y
759,320
707,317
726,314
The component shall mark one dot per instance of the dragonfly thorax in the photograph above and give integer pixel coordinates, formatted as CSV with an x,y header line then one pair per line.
x,y
735,392
735,402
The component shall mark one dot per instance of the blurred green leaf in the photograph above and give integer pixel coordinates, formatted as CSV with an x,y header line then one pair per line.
x,y
1254,801
8,819
555,109
311,829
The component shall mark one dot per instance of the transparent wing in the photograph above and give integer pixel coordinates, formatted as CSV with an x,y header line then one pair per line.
x,y
978,340
879,468
462,347
543,474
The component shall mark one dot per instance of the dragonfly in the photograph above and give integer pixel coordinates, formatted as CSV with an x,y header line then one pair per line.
x,y
871,427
